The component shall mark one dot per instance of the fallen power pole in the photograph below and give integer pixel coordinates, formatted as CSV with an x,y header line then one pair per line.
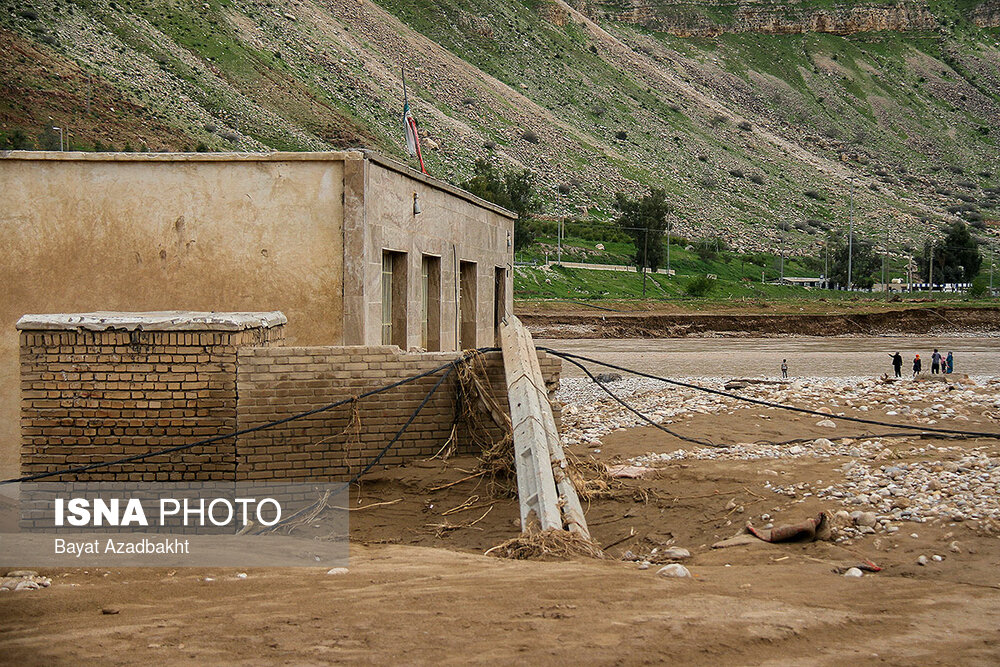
x,y
544,488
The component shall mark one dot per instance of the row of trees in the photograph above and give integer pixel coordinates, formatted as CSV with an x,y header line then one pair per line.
x,y
956,258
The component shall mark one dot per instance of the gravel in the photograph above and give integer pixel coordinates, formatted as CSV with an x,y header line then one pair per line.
x,y
950,483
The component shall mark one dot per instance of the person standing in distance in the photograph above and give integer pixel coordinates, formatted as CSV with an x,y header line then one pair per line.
x,y
935,362
916,365
784,368
897,364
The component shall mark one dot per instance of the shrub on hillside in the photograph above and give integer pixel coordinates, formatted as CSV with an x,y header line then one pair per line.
x,y
980,287
699,286
530,137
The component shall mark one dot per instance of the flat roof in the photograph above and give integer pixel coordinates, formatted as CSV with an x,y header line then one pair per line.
x,y
276,156
160,320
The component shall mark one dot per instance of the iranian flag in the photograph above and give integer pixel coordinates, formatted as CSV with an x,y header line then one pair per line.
x,y
412,138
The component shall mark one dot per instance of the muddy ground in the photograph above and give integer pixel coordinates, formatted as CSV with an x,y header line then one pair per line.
x,y
578,321
420,589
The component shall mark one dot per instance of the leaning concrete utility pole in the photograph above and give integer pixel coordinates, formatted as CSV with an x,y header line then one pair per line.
x,y
547,495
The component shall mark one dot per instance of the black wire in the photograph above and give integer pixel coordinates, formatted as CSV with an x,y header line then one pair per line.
x,y
696,441
770,404
260,427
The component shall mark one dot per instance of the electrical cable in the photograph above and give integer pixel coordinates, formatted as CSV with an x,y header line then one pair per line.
x,y
926,429
260,427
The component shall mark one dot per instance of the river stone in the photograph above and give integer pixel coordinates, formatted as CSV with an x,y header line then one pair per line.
x,y
826,423
22,573
676,553
337,570
922,560
26,585
854,573
866,519
674,570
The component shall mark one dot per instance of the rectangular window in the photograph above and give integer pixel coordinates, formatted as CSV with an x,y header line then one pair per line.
x,y
499,301
394,298
467,298
431,303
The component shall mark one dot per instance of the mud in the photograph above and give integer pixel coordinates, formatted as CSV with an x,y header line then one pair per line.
x,y
420,590
922,321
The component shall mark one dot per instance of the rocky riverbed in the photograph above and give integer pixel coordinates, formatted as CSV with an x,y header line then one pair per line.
x,y
889,480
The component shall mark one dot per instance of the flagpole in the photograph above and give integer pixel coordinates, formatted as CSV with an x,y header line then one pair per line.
x,y
410,124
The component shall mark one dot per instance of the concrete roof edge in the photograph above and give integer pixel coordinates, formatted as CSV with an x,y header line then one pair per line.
x,y
356,154
167,320
407,170
81,156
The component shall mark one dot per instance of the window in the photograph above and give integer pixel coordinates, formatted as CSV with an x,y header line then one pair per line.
x,y
394,298
467,298
431,303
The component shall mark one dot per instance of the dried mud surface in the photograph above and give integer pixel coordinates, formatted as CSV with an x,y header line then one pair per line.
x,y
420,590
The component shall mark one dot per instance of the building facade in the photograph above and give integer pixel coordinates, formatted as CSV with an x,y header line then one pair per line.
x,y
354,248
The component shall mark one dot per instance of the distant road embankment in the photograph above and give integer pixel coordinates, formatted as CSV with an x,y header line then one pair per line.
x,y
924,321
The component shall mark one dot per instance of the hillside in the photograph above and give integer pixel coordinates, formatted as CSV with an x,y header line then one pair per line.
x,y
748,113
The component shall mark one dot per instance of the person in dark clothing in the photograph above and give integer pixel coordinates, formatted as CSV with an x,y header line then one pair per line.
x,y
935,362
916,365
949,363
897,364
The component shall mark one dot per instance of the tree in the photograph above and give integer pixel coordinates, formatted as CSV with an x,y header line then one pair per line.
x,y
865,264
645,222
956,258
513,190
48,140
16,140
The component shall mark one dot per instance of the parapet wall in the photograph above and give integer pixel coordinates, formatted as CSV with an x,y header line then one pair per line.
x,y
93,390
90,396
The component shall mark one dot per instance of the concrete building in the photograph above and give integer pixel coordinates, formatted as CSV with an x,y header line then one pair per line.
x,y
354,248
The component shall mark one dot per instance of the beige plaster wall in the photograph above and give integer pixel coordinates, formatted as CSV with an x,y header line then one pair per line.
x,y
452,225
84,232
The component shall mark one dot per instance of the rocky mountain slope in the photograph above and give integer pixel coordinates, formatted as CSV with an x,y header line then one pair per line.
x,y
748,113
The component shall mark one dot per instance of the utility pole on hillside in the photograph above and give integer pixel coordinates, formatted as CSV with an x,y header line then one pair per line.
x,y
850,241
645,260
885,261
930,281
991,270
781,272
559,232
669,225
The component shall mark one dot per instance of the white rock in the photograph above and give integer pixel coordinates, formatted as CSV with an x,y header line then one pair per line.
x,y
936,558
854,573
922,560
676,553
826,423
337,570
644,565
26,585
241,575
674,570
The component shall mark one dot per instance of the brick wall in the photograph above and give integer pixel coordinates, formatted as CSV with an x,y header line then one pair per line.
x,y
90,396
93,396
279,382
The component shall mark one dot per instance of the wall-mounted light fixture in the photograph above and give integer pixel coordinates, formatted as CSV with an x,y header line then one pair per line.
x,y
416,204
